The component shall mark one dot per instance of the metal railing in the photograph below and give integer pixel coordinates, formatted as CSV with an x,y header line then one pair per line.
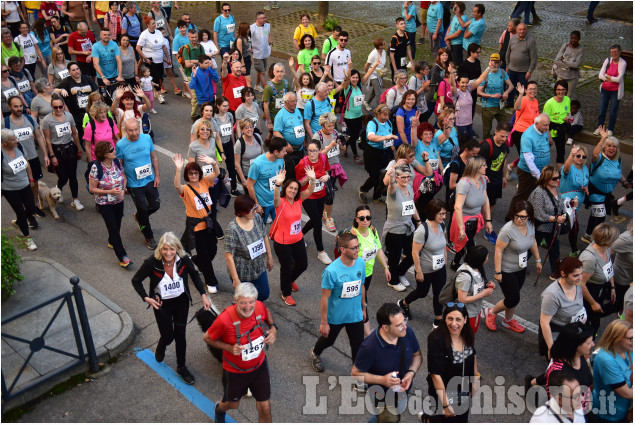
x,y
39,343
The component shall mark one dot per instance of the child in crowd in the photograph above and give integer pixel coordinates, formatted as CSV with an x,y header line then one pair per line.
x,y
148,86
577,123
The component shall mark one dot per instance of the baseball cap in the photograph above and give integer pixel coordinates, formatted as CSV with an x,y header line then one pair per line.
x,y
495,57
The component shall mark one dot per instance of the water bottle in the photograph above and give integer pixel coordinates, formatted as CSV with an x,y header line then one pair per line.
x,y
396,388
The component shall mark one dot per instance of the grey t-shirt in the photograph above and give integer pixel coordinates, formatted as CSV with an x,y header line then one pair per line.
x,y
474,196
41,106
225,128
518,246
396,204
563,310
432,254
412,166
592,263
255,115
473,286
14,180
196,149
127,63
628,299
333,155
25,133
623,265
212,137
252,152
58,72
61,131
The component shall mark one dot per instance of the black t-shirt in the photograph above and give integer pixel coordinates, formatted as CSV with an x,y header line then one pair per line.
x,y
457,168
78,95
58,32
472,70
495,161
399,46
443,361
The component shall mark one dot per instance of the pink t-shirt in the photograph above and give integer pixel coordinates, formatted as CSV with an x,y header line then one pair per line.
x,y
612,70
103,133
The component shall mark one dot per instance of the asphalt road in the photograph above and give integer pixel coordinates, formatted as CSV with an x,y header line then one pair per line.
x,y
133,392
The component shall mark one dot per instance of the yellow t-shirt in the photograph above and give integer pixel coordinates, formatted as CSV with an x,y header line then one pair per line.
x,y
101,7
34,4
301,30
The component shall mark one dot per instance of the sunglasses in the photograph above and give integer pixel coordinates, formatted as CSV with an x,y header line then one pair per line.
x,y
58,107
555,179
344,39
317,63
364,218
453,304
581,156
111,150
5,70
227,10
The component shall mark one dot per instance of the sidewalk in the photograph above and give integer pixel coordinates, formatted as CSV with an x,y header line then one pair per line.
x,y
112,329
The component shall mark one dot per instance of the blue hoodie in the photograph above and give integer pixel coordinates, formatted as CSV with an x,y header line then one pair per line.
x,y
204,84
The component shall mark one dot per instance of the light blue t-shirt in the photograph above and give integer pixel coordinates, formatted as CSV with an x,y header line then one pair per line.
x,y
106,55
433,153
454,27
190,27
44,45
408,116
411,24
610,370
477,28
605,177
435,12
290,125
179,41
378,129
356,98
136,159
537,144
262,170
134,29
571,184
344,281
321,107
445,150
225,28
495,84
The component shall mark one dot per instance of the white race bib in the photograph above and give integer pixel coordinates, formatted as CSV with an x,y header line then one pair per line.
x,y
522,260
299,131
318,186
230,28
279,103
351,289
438,261
24,86
388,143
256,249
478,287
608,270
272,183
10,92
238,91
408,207
580,316
434,164
207,169
403,61
63,129
369,254
30,58
225,130
82,100
358,100
143,171
18,164
23,133
86,46
334,151
253,350
63,73
206,198
111,198
598,210
296,227
171,289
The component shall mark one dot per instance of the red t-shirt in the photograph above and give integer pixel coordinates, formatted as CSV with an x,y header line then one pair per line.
x,y
612,70
50,9
232,87
82,44
224,329
288,222
320,168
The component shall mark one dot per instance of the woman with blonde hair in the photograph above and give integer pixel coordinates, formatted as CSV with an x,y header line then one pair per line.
x,y
100,128
57,69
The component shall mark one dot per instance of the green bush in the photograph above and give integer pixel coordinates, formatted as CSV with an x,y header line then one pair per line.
x,y
10,266
329,24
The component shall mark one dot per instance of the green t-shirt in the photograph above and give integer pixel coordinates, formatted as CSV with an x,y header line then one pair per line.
x,y
355,102
558,112
192,54
329,44
368,248
304,58
268,97
13,51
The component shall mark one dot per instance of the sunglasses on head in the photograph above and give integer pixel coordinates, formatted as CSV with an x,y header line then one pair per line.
x,y
364,218
453,304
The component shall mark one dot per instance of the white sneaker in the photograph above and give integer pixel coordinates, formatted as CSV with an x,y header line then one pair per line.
x,y
398,288
77,205
596,132
186,94
259,88
367,106
153,111
569,141
30,245
161,99
324,258
269,219
609,133
212,289
404,281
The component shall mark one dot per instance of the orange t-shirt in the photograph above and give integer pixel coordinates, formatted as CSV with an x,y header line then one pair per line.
x,y
288,222
193,206
528,112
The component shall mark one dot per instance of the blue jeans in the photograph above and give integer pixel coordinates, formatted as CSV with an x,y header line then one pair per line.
x,y
412,37
268,211
525,6
515,77
262,285
606,98
465,130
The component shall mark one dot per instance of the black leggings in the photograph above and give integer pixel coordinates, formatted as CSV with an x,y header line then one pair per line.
x,y
156,71
171,320
354,126
23,205
516,136
112,214
560,139
511,284
395,245
594,221
366,286
375,160
470,233
293,262
436,280
66,169
354,331
573,235
205,253
228,148
314,209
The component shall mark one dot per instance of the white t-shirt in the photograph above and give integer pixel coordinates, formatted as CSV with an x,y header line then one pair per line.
x,y
12,8
260,41
338,59
28,47
210,50
152,45
372,58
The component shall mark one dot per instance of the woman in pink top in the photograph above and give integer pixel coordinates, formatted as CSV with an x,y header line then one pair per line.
x,y
105,128
612,88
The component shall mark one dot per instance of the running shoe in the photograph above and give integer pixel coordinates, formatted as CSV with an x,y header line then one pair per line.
x,y
330,225
294,287
587,238
596,132
360,387
219,416
399,287
125,262
288,300
178,92
436,323
363,196
159,352
185,374
235,193
553,276
404,281
513,325
30,245
151,243
212,289
324,216
490,321
77,205
32,223
324,258
316,362
380,201
405,308
39,212
163,91
186,94
161,99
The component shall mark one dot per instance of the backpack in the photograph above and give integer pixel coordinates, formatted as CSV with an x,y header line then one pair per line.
x,y
448,292
100,170
91,121
7,120
19,147
179,58
243,146
231,311
374,120
393,120
424,223
382,98
491,146
127,18
446,172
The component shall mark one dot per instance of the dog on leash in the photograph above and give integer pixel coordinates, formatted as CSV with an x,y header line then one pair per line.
x,y
52,195
205,319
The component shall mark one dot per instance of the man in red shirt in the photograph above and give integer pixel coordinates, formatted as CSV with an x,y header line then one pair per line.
x,y
80,44
240,333
233,83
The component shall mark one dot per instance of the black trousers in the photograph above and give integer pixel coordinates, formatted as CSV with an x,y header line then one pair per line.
x,y
395,245
23,205
292,159
561,138
171,319
601,293
374,161
293,262
146,199
228,148
66,169
594,221
314,209
112,215
436,280
206,248
354,127
354,331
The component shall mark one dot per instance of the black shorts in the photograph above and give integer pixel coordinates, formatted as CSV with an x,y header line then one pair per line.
x,y
247,60
36,168
235,385
494,191
87,69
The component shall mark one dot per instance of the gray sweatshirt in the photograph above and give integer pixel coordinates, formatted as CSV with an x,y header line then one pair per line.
x,y
522,55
